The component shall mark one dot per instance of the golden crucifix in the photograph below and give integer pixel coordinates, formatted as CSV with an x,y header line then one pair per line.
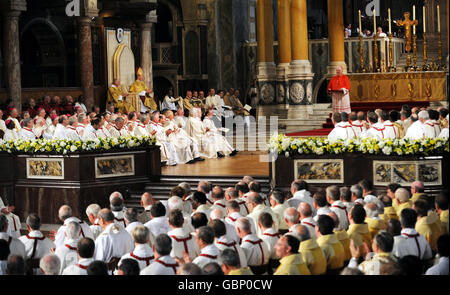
x,y
407,23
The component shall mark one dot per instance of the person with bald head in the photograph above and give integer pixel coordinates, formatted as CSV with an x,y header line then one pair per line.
x,y
339,89
147,201
66,216
306,218
256,206
113,242
311,252
417,190
206,188
256,250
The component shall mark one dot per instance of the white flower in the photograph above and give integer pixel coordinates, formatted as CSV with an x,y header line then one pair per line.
x,y
73,148
387,150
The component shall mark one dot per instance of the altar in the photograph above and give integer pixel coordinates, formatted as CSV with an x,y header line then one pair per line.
x,y
398,87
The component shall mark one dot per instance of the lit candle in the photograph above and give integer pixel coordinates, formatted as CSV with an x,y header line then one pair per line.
x,y
374,21
424,21
389,14
414,17
439,20
360,27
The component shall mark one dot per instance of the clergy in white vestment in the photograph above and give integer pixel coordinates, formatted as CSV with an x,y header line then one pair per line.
x,y
119,129
179,136
60,130
50,130
181,143
65,215
269,236
391,131
92,213
256,250
357,122
13,117
39,127
177,203
85,250
222,242
444,133
36,244
180,120
159,224
230,232
71,129
410,242
114,241
208,250
182,239
256,206
171,103
222,144
141,128
341,131
142,252
83,122
168,152
163,264
416,131
26,132
200,134
16,247
374,129
91,130
10,132
67,253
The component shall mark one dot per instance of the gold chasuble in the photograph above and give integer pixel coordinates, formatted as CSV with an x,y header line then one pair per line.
x,y
140,87
114,94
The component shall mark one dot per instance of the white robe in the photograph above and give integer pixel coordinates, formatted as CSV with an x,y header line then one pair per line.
x,y
10,135
256,250
183,241
270,237
391,131
222,144
60,132
115,132
416,131
341,131
409,242
207,254
168,152
114,241
67,254
158,225
16,247
72,133
376,131
430,130
357,127
165,265
42,248
86,232
224,243
206,140
444,133
142,253
181,143
78,269
26,133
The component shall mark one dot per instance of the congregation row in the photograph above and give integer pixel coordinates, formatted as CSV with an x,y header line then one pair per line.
x,y
410,123
181,139
241,231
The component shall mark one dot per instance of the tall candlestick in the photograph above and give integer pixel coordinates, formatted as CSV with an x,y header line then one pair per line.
x,y
414,17
360,27
374,21
439,19
389,14
424,21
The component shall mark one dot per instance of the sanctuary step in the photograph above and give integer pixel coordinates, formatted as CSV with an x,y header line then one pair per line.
x,y
161,190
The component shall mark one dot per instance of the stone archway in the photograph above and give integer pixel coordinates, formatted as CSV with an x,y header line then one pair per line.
x,y
43,55
161,85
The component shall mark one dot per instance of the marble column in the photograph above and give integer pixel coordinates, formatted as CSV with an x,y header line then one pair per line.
x,y
300,76
284,48
266,70
336,37
11,51
260,31
86,65
146,53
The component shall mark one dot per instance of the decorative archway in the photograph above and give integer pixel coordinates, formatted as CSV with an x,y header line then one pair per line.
x,y
161,85
43,55
124,66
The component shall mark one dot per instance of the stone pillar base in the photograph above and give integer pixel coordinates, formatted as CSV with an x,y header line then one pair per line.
x,y
282,94
300,83
267,76
299,68
331,68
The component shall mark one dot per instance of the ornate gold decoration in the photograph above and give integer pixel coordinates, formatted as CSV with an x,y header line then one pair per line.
x,y
377,90
415,52
391,63
428,89
410,89
426,67
440,65
394,89
375,54
407,24
361,54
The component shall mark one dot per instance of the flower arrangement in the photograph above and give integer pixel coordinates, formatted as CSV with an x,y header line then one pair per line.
x,y
289,146
64,146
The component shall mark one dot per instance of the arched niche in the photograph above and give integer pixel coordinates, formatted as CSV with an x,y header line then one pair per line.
x,y
124,66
